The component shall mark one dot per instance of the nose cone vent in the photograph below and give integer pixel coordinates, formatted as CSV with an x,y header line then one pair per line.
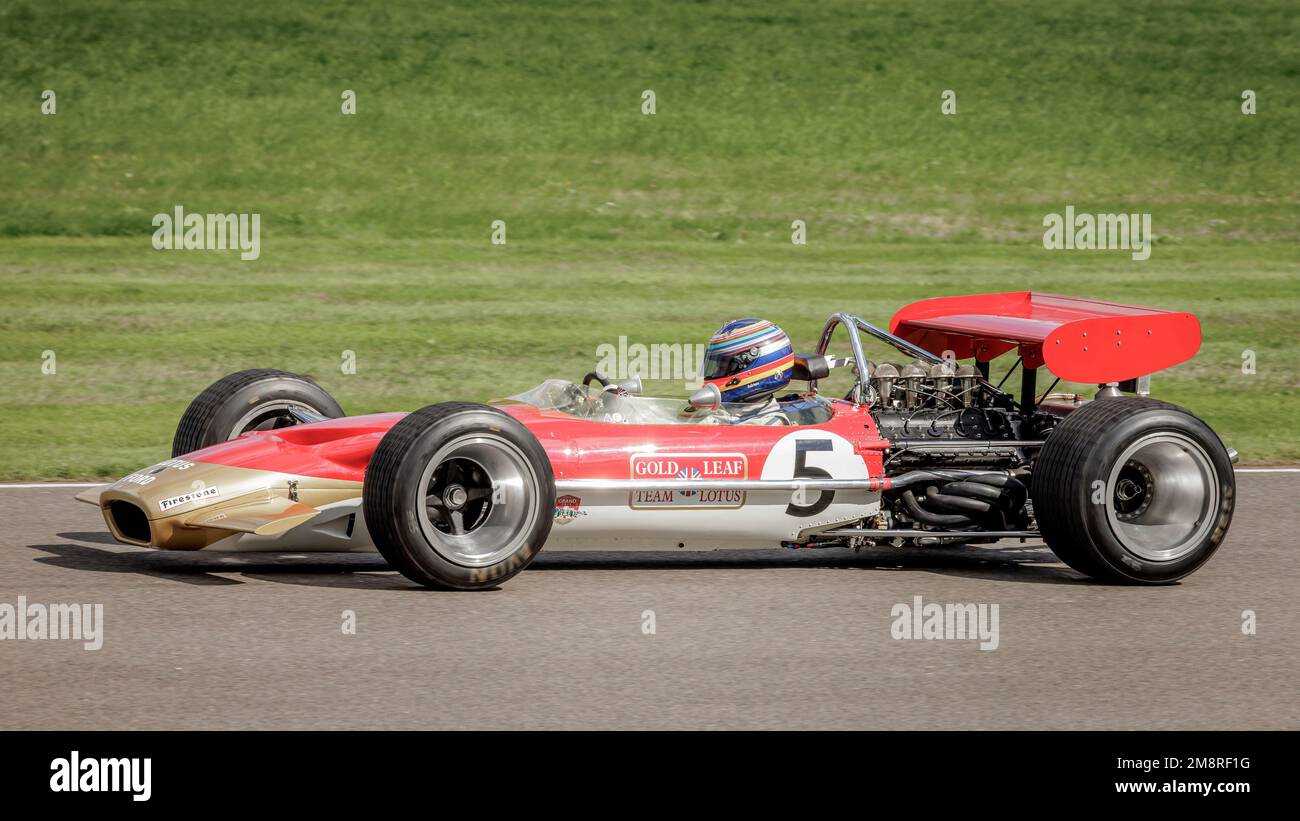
x,y
128,522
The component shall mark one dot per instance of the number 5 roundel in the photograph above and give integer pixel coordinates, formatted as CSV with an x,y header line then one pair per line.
x,y
813,455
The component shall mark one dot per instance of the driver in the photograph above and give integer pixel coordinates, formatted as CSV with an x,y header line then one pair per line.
x,y
749,360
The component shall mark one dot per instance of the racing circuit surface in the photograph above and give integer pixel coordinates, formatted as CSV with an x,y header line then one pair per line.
x,y
761,639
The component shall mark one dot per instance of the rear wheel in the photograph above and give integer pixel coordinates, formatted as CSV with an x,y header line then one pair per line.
x,y
459,496
260,399
1133,490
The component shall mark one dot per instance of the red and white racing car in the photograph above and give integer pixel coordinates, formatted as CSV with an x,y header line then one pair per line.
x,y
923,451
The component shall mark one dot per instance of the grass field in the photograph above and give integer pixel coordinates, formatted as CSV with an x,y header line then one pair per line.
x,y
375,226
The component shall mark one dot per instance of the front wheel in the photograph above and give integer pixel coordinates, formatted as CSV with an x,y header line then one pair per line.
x,y
260,399
1133,490
459,496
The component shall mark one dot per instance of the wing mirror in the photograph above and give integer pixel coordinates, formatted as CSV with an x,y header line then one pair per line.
x,y
631,385
706,398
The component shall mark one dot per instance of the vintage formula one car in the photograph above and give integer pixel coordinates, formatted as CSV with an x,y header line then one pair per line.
x,y
1122,488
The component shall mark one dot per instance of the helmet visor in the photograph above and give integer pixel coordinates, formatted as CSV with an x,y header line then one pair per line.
x,y
716,365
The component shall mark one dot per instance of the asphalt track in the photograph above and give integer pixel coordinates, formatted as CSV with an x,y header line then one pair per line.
x,y
762,639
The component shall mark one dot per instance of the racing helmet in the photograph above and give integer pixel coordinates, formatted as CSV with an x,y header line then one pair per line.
x,y
748,359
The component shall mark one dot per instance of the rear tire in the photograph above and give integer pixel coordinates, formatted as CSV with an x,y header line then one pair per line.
x,y
459,496
1133,490
259,399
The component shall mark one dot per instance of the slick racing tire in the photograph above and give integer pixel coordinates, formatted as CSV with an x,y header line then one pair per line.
x,y
459,496
1133,490
261,399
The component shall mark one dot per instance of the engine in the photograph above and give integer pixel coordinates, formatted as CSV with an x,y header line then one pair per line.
x,y
958,460
939,401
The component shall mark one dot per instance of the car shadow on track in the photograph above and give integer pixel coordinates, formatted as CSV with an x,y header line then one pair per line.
x,y
1023,563
358,569
1031,563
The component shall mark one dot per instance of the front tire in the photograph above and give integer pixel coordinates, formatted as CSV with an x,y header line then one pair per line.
x,y
1133,490
259,399
459,496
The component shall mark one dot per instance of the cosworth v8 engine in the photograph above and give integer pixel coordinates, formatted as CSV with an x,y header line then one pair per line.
x,y
939,401
957,459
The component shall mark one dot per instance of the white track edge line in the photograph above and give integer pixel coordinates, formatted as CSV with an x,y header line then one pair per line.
x,y
1267,470
53,484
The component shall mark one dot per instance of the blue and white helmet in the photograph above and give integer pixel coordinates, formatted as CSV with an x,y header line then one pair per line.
x,y
748,359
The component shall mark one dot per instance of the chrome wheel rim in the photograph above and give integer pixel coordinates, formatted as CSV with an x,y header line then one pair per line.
x,y
272,415
1161,496
477,495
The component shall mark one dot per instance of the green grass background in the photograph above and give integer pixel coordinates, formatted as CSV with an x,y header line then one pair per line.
x,y
375,227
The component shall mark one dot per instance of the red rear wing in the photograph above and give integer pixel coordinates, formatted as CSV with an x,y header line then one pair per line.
x,y
1079,340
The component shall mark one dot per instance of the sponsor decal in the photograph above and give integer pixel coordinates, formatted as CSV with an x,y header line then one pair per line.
x,y
689,473
672,466
146,476
186,498
179,464
568,508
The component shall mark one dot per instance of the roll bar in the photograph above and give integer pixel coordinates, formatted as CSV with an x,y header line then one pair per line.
x,y
853,325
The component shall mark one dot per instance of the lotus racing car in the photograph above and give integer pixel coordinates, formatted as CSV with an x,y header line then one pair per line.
x,y
924,450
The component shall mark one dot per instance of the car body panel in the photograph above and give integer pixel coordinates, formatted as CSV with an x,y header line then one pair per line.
x,y
299,488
